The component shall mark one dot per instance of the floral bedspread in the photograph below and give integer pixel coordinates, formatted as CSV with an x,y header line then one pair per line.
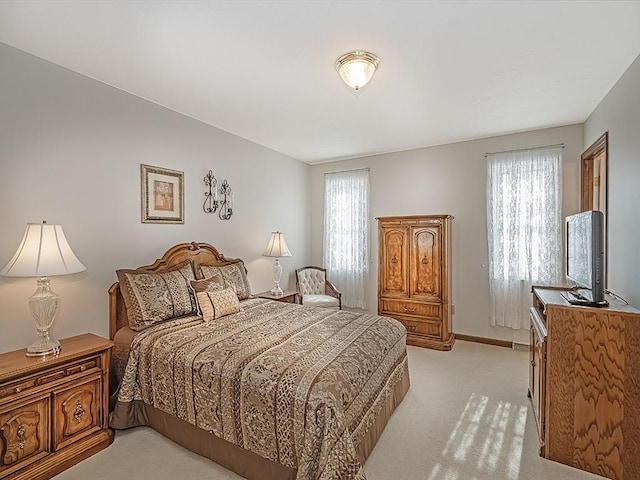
x,y
296,385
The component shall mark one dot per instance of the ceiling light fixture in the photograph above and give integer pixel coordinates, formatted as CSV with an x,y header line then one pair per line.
x,y
356,68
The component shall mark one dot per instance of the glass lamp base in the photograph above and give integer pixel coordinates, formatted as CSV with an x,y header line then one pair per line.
x,y
277,275
44,306
43,346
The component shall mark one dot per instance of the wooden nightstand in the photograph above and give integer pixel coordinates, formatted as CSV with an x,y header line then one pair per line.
x,y
54,410
286,297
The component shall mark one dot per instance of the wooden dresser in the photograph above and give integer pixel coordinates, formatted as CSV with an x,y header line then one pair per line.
x,y
414,277
53,410
584,384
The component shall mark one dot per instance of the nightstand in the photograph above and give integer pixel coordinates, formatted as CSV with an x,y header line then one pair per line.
x,y
54,409
286,297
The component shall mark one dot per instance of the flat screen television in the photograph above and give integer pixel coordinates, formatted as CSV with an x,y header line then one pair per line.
x,y
584,235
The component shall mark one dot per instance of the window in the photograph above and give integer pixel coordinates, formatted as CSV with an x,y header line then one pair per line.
x,y
524,226
346,234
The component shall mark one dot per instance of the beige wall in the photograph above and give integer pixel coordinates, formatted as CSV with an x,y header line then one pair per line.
x,y
448,179
70,150
70,153
619,114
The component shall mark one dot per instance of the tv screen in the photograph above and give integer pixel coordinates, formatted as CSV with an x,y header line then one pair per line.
x,y
585,254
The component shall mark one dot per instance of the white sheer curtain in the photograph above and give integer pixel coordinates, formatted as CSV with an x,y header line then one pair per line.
x,y
346,234
524,224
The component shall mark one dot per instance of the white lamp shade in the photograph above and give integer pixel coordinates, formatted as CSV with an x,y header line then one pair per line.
x,y
277,246
43,252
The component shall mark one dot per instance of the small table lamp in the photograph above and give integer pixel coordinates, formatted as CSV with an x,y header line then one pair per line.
x,y
277,247
43,252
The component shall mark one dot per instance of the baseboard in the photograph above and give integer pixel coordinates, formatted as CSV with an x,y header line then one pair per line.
x,y
487,341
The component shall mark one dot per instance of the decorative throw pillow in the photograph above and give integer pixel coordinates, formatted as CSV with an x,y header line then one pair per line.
x,y
233,274
211,284
152,297
218,304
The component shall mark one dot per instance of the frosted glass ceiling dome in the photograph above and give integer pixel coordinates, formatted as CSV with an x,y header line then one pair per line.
x,y
356,68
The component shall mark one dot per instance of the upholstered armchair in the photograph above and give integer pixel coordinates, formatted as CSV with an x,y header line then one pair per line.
x,y
315,290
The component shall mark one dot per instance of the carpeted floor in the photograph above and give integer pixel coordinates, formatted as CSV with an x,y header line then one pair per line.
x,y
466,417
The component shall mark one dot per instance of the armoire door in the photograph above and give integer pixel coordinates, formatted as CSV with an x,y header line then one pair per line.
x,y
394,261
425,264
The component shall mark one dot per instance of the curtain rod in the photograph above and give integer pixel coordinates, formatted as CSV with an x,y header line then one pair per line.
x,y
556,145
348,170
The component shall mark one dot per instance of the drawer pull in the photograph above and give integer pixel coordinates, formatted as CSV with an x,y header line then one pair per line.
x,y
82,368
21,432
78,413
411,328
425,260
18,390
409,310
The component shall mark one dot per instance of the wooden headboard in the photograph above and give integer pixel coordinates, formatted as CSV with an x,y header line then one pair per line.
x,y
197,253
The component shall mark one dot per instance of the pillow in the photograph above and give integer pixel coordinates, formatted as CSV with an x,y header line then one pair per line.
x,y
153,297
233,274
211,284
218,304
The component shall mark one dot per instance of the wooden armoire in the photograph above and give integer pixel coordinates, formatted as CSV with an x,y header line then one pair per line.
x,y
414,277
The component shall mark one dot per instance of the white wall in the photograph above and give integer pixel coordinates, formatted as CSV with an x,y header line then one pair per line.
x,y
619,114
70,150
449,179
70,153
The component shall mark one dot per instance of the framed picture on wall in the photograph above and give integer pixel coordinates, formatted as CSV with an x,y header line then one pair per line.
x,y
162,192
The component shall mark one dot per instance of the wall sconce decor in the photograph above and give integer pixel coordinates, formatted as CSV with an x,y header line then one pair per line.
x,y
211,204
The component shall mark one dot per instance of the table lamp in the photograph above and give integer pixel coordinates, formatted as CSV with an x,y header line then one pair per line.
x,y
277,247
43,252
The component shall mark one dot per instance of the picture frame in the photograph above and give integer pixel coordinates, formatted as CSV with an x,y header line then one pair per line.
x,y
162,192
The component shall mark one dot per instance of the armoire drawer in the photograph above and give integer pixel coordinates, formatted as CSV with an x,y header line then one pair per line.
x,y
428,310
432,328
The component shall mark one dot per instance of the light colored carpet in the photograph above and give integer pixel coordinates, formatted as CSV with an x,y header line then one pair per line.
x,y
466,417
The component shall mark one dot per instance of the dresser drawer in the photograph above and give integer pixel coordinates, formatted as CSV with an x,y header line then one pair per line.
x,y
26,384
77,411
403,307
24,433
431,328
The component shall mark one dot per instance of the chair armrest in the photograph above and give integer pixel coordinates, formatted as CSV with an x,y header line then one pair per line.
x,y
330,289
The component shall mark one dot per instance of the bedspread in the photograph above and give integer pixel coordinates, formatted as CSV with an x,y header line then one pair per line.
x,y
294,384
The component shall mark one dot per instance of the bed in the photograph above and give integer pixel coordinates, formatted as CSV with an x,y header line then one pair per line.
x,y
271,390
